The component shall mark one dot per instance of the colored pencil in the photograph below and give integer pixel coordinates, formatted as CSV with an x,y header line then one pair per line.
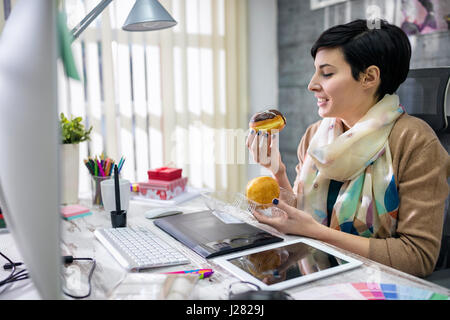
x,y
100,169
88,165
98,166
121,164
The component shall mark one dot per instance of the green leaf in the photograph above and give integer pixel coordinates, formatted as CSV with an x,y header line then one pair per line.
x,y
73,131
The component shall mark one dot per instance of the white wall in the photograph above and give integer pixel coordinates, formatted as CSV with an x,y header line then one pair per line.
x,y
262,62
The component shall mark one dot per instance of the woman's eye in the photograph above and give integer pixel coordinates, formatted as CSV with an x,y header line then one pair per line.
x,y
327,75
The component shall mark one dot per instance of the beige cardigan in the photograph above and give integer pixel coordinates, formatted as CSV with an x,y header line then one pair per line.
x,y
421,168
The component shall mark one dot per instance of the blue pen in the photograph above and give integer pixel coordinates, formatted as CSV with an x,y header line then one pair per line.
x,y
122,160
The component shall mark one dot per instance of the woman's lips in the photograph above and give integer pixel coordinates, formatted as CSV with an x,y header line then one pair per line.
x,y
321,102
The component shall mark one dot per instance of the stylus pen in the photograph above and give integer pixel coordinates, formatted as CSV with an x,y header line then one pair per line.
x,y
116,187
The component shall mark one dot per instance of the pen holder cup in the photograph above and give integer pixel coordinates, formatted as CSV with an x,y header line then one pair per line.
x,y
119,220
109,194
96,181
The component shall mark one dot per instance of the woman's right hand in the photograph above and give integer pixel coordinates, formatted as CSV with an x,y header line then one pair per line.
x,y
264,148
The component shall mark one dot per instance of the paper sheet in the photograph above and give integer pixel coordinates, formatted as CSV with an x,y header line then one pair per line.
x,y
150,286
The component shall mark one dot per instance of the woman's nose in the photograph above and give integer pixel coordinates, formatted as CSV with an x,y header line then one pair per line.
x,y
313,85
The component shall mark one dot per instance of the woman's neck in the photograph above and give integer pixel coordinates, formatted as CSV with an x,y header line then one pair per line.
x,y
348,123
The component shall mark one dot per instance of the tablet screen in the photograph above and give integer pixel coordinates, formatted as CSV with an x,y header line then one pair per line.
x,y
286,262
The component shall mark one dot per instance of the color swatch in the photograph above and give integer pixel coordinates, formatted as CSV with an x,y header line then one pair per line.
x,y
368,291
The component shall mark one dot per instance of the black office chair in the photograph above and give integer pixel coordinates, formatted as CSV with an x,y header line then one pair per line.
x,y
426,94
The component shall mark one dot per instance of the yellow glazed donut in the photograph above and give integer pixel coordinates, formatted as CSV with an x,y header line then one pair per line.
x,y
262,190
267,121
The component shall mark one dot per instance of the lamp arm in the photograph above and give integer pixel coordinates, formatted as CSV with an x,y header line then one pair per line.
x,y
79,28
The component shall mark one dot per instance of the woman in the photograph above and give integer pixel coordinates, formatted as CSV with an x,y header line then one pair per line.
x,y
371,179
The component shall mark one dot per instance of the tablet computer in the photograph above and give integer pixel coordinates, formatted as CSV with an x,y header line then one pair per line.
x,y
287,264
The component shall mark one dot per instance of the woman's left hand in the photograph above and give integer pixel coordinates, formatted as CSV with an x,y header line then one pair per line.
x,y
298,222
293,221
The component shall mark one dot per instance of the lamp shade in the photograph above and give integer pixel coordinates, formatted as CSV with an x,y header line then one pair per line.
x,y
148,15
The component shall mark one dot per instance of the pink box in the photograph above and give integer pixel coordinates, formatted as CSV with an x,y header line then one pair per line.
x,y
162,190
164,173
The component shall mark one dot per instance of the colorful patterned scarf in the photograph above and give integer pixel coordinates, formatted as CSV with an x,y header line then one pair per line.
x,y
367,204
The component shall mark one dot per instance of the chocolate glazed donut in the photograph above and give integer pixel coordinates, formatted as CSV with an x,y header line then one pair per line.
x,y
267,120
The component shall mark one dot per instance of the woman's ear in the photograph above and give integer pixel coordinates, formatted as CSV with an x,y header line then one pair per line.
x,y
371,78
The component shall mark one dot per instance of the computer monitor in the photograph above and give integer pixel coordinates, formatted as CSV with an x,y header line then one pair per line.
x,y
29,140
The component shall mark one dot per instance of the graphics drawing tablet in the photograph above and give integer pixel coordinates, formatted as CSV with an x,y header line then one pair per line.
x,y
209,236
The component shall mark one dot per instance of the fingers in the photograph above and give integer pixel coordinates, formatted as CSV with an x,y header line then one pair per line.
x,y
253,146
274,141
262,218
284,206
251,136
281,222
275,222
259,145
274,151
263,148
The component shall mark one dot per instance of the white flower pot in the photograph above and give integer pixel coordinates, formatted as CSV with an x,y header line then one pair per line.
x,y
70,154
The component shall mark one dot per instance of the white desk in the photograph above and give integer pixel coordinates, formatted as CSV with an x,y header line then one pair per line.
x,y
78,240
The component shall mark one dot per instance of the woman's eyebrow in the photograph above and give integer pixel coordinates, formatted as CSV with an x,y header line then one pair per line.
x,y
325,65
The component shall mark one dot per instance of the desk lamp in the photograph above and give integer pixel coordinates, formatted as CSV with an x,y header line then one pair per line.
x,y
146,15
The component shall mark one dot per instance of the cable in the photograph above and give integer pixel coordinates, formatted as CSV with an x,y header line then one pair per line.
x,y
8,266
70,259
13,276
22,275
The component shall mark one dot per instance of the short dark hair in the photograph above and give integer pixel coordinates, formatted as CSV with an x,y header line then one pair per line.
x,y
365,43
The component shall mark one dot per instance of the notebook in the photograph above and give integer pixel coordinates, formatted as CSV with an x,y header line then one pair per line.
x,y
210,236
74,211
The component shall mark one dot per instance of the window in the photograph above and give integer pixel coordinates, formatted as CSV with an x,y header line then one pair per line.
x,y
170,97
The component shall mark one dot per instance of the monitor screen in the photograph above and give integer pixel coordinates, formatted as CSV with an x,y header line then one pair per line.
x,y
29,140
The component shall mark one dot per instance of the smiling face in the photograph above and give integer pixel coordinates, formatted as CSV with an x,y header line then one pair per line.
x,y
338,94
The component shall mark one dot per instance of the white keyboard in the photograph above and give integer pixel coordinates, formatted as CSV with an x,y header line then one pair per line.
x,y
139,248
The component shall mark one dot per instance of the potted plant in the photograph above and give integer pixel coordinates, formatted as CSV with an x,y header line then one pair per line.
x,y
72,132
